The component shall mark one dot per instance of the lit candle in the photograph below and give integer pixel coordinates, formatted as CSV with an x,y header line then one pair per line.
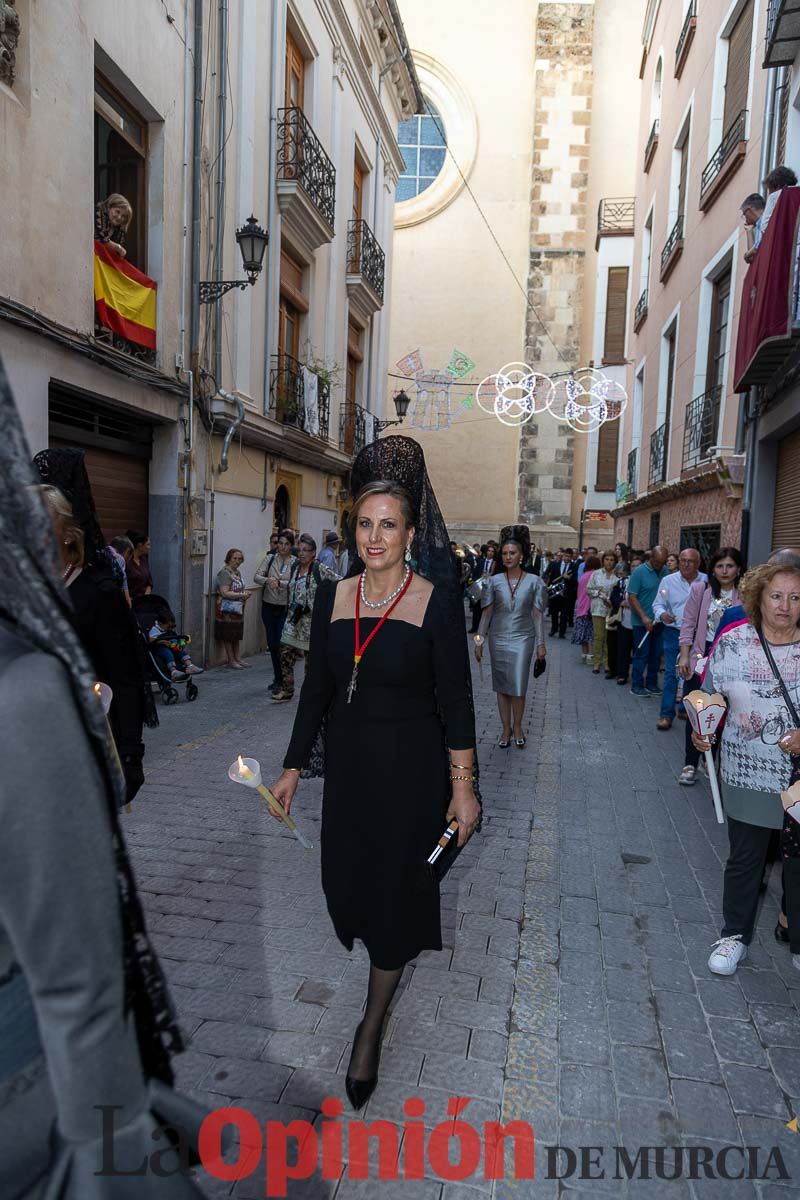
x,y
104,695
248,772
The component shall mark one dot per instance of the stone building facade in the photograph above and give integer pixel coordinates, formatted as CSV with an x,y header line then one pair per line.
x,y
562,130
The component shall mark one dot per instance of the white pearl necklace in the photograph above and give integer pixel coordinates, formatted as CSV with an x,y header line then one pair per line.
x,y
392,595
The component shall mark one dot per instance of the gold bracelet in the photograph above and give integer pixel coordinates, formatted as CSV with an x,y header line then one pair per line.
x,y
463,777
461,766
297,769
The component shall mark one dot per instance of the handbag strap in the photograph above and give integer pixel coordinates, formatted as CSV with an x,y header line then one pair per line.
x,y
779,677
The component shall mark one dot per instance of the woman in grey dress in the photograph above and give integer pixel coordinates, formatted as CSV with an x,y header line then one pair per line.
x,y
514,603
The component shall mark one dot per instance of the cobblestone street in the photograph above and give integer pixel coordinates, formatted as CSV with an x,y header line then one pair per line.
x,y
572,993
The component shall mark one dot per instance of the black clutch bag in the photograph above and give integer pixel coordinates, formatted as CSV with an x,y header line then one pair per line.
x,y
444,853
539,667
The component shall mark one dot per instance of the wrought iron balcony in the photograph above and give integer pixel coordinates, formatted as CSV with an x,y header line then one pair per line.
x,y
686,38
633,467
640,312
352,428
652,145
783,33
659,443
615,218
673,249
306,180
292,404
728,156
700,429
110,338
366,268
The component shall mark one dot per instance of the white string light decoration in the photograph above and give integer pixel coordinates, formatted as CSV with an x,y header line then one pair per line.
x,y
585,399
514,394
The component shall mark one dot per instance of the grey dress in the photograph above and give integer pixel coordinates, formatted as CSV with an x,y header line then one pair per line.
x,y
515,631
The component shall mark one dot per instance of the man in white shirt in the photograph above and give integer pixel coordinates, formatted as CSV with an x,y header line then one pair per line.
x,y
668,609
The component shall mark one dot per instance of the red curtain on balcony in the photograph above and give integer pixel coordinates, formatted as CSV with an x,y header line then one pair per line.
x,y
765,319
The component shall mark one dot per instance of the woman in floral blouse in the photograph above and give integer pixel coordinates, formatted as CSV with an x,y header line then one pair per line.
x,y
758,740
296,634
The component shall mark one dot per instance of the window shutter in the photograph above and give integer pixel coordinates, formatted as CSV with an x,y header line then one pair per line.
x,y
738,73
786,517
783,117
682,180
607,446
616,309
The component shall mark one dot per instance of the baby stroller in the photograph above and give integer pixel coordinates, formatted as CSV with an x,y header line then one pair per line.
x,y
146,610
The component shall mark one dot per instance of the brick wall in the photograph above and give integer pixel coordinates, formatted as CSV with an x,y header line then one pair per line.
x,y
702,508
562,125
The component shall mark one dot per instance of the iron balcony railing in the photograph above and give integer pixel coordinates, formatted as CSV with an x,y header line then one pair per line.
x,y
301,158
632,472
365,256
700,430
289,402
107,336
640,312
658,455
691,13
783,33
616,217
353,428
675,237
652,143
733,136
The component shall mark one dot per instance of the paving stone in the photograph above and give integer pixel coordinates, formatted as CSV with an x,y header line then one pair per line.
x,y
641,1071
690,1056
737,1041
704,1110
587,1092
786,1066
445,983
722,998
487,1046
754,1091
621,983
463,1077
247,1080
763,987
477,1014
227,1038
632,1023
677,1010
290,1015
428,1036
777,1025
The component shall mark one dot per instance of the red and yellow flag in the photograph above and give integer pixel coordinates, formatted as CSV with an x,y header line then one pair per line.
x,y
125,298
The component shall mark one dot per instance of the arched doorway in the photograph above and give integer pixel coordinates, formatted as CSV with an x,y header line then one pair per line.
x,y
282,508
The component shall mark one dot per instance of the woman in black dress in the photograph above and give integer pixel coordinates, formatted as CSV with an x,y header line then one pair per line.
x,y
388,674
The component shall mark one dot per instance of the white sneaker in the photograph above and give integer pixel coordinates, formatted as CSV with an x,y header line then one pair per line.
x,y
728,952
688,776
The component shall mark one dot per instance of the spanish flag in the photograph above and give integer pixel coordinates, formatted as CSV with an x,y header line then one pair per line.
x,y
125,299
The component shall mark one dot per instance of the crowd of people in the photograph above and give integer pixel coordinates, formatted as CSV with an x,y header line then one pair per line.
x,y
675,627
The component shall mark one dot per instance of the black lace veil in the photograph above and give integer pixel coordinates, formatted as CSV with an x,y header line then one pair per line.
x,y
35,605
519,534
64,467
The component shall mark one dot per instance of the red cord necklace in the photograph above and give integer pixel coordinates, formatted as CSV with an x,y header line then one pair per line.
x,y
360,646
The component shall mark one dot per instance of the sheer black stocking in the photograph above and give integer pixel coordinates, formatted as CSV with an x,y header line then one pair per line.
x,y
367,1039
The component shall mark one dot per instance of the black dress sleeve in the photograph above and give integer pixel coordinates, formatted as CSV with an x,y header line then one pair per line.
x,y
319,684
452,676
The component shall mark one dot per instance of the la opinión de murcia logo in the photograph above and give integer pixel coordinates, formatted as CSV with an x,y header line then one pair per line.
x,y
454,1150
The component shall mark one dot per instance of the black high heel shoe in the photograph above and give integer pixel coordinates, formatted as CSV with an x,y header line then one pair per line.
x,y
781,933
360,1090
504,743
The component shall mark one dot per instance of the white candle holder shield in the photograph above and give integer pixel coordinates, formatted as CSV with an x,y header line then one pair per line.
x,y
247,771
104,695
706,711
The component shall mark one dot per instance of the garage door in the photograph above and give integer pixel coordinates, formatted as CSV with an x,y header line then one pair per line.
x,y
119,487
786,519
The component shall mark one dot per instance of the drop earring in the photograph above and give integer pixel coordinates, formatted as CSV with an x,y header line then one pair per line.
x,y
408,554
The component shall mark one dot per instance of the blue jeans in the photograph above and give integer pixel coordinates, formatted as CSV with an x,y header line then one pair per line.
x,y
646,656
670,647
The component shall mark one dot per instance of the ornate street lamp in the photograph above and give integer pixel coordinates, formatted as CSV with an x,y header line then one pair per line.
x,y
252,240
401,403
